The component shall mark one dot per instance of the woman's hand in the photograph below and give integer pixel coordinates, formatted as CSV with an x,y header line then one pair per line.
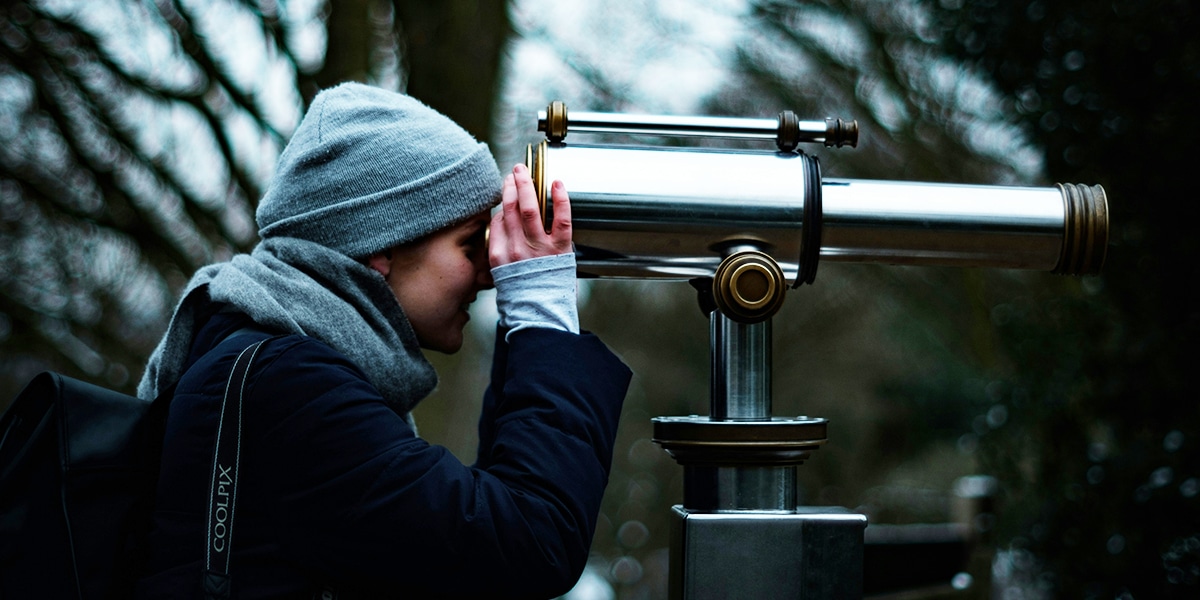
x,y
517,232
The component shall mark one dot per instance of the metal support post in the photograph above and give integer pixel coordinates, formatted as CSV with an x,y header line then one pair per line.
x,y
739,532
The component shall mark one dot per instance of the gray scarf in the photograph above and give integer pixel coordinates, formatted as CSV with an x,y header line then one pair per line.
x,y
300,287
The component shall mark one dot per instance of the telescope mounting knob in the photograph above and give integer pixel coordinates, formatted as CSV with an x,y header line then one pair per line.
x,y
555,125
748,286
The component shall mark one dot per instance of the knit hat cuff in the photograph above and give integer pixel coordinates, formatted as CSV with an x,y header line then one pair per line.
x,y
391,217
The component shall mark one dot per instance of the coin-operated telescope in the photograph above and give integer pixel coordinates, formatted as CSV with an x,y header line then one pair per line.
x,y
743,227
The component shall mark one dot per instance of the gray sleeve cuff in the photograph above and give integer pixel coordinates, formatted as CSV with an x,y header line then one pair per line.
x,y
537,292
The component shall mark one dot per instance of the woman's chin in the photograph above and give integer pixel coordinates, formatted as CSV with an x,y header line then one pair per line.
x,y
448,344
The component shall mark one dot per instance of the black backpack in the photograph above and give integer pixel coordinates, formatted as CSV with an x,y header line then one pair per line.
x,y
78,469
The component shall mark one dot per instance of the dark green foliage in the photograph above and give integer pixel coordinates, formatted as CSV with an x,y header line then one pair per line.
x,y
1104,440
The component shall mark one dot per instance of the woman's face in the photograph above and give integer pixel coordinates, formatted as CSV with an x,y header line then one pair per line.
x,y
436,278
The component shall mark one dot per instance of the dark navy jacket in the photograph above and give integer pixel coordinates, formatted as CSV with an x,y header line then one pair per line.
x,y
335,488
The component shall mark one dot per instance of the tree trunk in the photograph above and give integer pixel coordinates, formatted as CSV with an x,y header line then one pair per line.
x,y
348,51
452,51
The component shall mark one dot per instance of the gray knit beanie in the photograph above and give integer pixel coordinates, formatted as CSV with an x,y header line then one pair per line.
x,y
368,169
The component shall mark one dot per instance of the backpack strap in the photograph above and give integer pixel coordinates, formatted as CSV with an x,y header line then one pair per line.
x,y
222,491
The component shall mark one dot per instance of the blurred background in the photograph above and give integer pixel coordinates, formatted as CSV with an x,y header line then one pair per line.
x,y
138,136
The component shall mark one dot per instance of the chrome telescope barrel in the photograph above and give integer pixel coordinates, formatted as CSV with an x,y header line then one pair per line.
x,y
674,213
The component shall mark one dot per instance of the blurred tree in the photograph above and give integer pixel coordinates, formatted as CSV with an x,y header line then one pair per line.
x,y
447,54
137,138
452,56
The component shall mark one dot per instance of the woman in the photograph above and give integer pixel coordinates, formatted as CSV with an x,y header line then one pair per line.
x,y
373,246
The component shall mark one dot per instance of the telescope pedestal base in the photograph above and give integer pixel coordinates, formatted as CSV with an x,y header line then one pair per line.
x,y
814,552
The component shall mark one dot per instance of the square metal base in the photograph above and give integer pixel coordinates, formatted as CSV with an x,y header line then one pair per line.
x,y
811,553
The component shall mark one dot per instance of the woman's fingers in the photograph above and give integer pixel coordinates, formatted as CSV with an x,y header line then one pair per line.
x,y
527,202
517,229
508,206
504,222
497,239
560,229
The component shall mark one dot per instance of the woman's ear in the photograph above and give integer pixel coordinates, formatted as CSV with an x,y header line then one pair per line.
x,y
381,262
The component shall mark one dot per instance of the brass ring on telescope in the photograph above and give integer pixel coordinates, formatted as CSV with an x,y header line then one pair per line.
x,y
1085,229
536,163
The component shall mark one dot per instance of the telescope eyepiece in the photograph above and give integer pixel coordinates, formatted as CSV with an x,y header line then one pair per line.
x,y
840,133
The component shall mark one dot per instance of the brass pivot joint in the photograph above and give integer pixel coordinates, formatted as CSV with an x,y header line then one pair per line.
x,y
748,286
